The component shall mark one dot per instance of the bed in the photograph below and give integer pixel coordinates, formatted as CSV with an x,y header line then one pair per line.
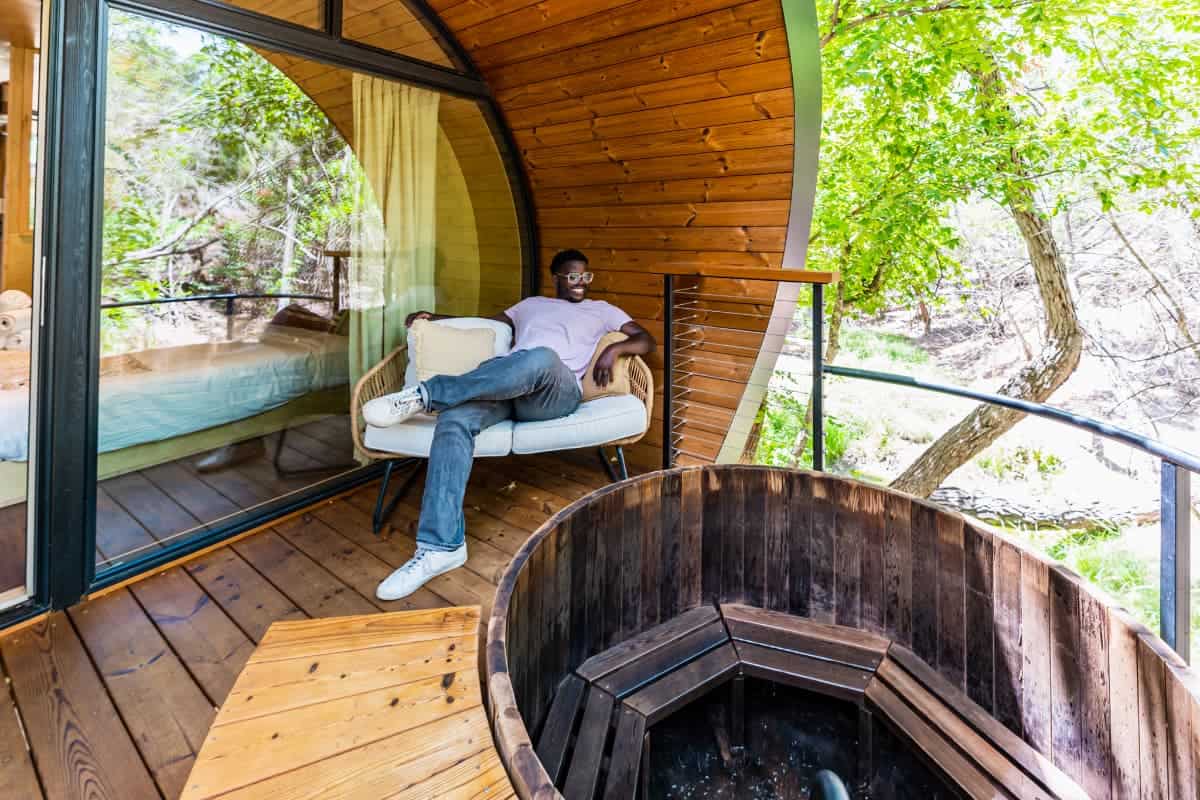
x,y
155,396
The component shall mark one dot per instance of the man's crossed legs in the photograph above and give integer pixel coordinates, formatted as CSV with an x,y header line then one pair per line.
x,y
528,385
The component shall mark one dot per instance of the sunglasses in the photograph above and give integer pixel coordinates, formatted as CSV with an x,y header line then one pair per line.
x,y
576,278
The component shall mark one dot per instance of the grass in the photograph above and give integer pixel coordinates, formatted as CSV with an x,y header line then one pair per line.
x,y
893,347
782,422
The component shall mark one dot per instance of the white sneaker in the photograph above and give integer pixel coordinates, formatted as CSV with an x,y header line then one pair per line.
x,y
419,569
392,409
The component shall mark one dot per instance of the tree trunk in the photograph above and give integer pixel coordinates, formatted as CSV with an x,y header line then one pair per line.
x,y
833,344
1036,382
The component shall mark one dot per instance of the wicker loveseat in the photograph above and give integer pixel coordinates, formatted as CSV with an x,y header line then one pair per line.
x,y
613,421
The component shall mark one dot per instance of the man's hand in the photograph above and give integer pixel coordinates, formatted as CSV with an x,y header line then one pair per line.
x,y
602,372
416,315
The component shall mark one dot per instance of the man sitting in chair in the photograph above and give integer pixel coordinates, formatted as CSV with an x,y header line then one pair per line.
x,y
554,339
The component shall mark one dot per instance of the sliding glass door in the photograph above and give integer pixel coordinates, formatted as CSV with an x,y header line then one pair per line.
x,y
20,102
268,223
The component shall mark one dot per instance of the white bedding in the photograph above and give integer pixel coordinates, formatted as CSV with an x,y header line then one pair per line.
x,y
193,387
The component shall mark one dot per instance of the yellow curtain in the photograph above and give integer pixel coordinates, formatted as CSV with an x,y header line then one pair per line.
x,y
395,230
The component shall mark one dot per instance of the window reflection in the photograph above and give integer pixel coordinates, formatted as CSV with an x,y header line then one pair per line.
x,y
268,224
20,25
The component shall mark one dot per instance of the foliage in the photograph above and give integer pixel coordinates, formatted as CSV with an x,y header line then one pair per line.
x,y
928,104
220,173
1021,463
784,414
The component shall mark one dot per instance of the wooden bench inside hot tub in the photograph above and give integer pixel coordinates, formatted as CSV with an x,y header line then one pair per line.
x,y
595,742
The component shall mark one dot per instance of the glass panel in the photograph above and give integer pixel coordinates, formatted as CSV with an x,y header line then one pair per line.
x,y
307,13
20,87
269,223
390,25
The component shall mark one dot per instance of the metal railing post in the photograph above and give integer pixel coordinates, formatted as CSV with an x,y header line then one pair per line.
x,y
229,319
1175,576
668,443
818,375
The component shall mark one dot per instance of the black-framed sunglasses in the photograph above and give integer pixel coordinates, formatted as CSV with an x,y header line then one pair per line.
x,y
575,278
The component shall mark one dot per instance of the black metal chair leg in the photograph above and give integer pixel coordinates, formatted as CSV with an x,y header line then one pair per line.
x,y
608,467
384,511
621,463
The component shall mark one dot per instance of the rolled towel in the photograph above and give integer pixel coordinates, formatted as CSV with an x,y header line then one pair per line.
x,y
20,319
14,299
18,340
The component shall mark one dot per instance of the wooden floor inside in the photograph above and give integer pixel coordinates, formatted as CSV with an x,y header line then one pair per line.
x,y
144,510
113,698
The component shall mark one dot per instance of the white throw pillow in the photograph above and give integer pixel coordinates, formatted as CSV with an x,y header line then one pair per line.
x,y
443,350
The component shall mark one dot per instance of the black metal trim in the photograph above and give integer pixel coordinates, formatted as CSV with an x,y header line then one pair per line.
x,y
668,438
1174,601
333,18
15,615
246,521
818,384
317,45
65,487
1151,446
442,34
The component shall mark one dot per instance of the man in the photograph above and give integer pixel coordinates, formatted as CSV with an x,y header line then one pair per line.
x,y
554,339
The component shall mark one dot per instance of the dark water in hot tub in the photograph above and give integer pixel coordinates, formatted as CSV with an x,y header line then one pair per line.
x,y
790,736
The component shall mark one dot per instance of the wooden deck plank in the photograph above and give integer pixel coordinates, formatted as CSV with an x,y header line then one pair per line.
x,y
185,488
164,709
349,563
81,747
309,584
17,775
118,534
154,509
209,643
247,597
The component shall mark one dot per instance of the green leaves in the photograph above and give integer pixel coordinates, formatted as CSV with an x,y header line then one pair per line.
x,y
927,105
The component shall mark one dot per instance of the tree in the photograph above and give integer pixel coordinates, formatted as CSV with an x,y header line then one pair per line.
x,y
1030,103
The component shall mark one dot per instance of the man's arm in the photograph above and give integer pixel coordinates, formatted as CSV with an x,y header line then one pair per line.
x,y
639,343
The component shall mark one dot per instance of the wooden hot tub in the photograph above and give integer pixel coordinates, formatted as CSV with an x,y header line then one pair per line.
x,y
1054,674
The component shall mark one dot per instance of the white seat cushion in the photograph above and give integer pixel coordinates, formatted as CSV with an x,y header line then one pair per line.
x,y
415,437
595,422
504,336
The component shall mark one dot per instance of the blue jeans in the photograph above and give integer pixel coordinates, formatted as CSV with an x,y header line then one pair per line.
x,y
528,385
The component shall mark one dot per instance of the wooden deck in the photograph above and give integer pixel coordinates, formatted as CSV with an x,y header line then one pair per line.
x,y
116,695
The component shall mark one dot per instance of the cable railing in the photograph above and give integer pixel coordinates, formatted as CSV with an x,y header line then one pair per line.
x,y
723,372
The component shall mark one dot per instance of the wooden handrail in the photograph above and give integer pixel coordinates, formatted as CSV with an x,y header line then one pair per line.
x,y
749,274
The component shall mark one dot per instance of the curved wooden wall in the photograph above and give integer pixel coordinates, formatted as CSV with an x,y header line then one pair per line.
x,y
1078,679
651,132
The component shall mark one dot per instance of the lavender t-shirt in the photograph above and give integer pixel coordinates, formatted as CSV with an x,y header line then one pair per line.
x,y
570,329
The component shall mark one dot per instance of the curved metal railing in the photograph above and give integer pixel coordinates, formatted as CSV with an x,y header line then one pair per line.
x,y
1176,466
